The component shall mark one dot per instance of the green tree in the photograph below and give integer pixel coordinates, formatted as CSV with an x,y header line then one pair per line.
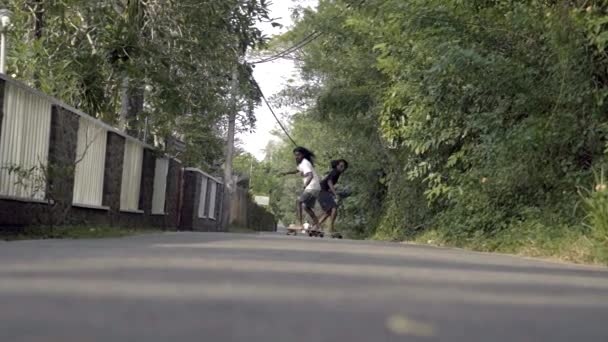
x,y
474,121
126,61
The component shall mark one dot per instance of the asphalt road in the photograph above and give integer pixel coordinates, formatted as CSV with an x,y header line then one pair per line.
x,y
221,287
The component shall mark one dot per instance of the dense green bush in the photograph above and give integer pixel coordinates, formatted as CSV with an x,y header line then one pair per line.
x,y
485,118
595,205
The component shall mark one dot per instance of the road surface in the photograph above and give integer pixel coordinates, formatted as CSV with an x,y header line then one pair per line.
x,y
222,287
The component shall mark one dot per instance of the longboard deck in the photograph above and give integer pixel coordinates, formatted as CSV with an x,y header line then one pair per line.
x,y
336,236
312,233
316,233
309,232
323,234
296,231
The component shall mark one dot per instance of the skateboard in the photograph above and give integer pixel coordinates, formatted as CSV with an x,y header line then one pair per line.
x,y
310,232
295,230
316,233
292,230
321,234
336,235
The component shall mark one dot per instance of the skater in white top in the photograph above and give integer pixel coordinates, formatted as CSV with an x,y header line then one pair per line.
x,y
305,160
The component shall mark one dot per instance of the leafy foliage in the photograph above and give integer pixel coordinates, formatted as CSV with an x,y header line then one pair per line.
x,y
48,182
595,204
170,60
479,119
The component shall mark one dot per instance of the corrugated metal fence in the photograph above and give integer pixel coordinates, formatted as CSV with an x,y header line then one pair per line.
x,y
90,161
24,142
207,195
161,171
36,130
131,176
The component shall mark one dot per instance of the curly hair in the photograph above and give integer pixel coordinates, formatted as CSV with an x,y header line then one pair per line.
x,y
334,163
306,153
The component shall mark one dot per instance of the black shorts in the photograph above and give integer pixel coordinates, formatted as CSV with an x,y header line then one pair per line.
x,y
309,199
327,201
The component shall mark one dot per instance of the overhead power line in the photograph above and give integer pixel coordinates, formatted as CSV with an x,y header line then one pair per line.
x,y
255,83
302,43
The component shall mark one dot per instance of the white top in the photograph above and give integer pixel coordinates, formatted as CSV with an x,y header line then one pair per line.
x,y
306,167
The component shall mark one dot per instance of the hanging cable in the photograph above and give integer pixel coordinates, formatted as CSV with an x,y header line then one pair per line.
x,y
257,86
302,43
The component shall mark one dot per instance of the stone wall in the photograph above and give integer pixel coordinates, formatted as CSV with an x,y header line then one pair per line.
x,y
173,196
61,164
16,213
182,194
190,219
112,178
147,181
190,201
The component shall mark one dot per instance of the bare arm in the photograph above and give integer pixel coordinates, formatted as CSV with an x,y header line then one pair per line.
x,y
332,187
308,179
288,173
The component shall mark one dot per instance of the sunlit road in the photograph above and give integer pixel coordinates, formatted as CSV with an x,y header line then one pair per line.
x,y
220,287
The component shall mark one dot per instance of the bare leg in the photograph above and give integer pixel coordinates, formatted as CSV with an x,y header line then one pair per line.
x,y
323,218
334,214
312,215
330,214
299,211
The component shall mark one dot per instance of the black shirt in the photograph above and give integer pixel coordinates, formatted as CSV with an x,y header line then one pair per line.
x,y
334,175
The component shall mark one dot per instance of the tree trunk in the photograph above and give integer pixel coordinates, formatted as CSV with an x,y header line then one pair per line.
x,y
132,105
132,98
229,187
124,104
38,8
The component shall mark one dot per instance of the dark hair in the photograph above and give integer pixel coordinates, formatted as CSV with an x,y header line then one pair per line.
x,y
334,163
307,154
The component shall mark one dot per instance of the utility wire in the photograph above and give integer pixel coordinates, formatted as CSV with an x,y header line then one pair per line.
x,y
255,83
302,43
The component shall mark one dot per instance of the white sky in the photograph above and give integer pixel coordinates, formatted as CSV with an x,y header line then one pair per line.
x,y
272,77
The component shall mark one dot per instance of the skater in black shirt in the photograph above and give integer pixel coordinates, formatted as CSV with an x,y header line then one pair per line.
x,y
328,197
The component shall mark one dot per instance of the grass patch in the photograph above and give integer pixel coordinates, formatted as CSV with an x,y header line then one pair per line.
x,y
562,244
71,232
